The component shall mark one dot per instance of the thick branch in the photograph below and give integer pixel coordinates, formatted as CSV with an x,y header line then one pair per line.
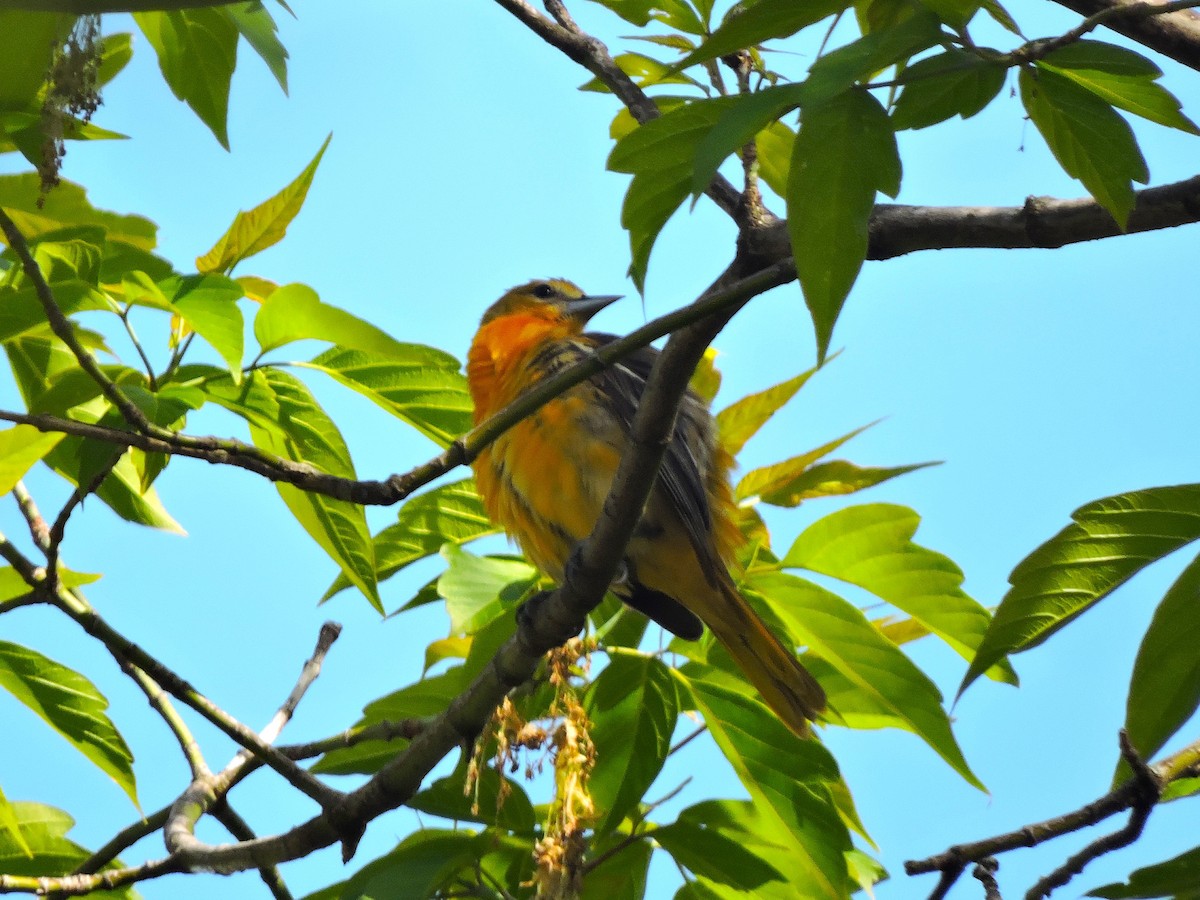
x,y
1173,34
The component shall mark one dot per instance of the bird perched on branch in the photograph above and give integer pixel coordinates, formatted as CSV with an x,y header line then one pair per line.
x,y
546,478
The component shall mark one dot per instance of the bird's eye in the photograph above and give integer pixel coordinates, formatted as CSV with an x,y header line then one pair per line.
x,y
543,291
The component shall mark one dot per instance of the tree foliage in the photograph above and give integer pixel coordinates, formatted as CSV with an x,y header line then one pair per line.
x,y
703,99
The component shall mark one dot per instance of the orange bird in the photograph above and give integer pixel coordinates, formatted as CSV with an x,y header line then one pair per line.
x,y
545,480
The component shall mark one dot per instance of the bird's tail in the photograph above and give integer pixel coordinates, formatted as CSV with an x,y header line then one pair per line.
x,y
784,684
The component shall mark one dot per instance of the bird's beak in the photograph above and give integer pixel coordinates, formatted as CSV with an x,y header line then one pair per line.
x,y
586,307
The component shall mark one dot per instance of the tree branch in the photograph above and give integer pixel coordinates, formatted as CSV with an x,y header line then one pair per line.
x,y
1140,793
1174,34
65,332
593,55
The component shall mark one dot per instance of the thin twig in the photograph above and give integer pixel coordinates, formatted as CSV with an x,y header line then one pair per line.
x,y
59,528
161,702
38,529
240,829
65,332
985,874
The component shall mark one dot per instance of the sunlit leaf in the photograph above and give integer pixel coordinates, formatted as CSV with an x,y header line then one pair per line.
x,y
835,478
845,152
878,685
208,304
255,24
871,546
1110,541
450,514
418,384
294,312
1165,688
262,227
35,213
1122,77
71,705
774,144
741,420
20,447
775,478
286,420
478,589
10,829
633,709
43,831
1088,138
197,52
787,777
27,44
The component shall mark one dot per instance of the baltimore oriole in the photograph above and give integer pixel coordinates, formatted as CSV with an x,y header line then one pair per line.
x,y
546,478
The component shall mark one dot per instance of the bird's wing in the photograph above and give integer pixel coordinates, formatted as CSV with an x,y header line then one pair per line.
x,y
682,475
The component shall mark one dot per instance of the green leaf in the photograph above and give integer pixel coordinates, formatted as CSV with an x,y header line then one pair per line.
x,y
1111,541
255,24
715,853
35,214
621,876
208,304
13,585
845,152
10,830
122,491
787,777
774,144
294,312
478,589
27,44
749,25
1175,878
262,227
428,697
676,13
1121,77
511,810
285,419
775,479
878,686
423,386
871,547
421,864
20,447
835,72
450,514
746,117
660,155
1165,688
633,708
644,70
71,705
1088,138
835,478
741,420
43,831
954,83
197,52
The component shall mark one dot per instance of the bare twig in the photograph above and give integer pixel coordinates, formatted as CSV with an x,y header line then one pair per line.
x,y
63,330
1112,14
161,703
985,874
1139,794
238,827
38,529
59,528
591,53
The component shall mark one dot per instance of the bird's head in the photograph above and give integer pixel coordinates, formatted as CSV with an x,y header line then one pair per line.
x,y
551,297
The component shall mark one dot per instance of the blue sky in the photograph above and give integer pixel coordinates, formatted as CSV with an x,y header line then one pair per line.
x,y
464,161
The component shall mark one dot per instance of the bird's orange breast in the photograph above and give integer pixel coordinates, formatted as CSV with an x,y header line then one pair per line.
x,y
545,479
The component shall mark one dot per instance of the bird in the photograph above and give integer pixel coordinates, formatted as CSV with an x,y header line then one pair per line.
x,y
545,481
